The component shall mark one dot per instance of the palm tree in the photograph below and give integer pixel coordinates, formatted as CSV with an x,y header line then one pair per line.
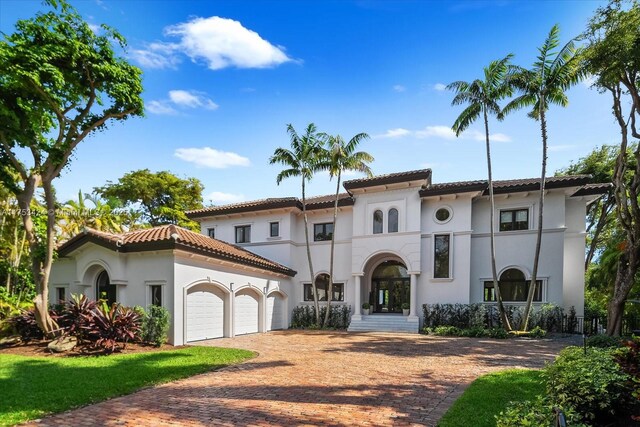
x,y
482,97
553,73
301,161
78,214
341,157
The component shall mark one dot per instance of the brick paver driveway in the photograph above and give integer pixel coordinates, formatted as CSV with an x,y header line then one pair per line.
x,y
328,378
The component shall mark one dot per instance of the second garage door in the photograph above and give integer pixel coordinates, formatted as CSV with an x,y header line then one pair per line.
x,y
246,312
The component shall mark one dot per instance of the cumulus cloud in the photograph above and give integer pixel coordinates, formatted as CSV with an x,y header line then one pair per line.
x,y
208,157
440,87
217,42
442,132
180,99
218,197
399,88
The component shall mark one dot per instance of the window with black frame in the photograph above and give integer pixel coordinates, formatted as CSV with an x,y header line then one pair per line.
x,y
322,286
323,231
243,234
514,219
514,287
441,256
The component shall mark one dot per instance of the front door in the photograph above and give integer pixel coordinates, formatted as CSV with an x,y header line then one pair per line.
x,y
390,294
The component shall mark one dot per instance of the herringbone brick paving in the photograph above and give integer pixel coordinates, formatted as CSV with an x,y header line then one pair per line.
x,y
321,378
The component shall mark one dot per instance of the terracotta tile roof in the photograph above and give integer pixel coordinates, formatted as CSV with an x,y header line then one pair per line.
x,y
593,189
390,178
506,186
318,202
173,237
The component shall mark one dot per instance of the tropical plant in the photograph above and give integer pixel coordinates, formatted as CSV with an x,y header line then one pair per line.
x,y
112,326
341,156
77,315
553,73
611,56
483,97
96,214
60,83
302,160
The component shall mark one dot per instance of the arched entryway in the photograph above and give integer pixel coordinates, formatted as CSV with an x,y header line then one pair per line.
x,y
390,287
105,290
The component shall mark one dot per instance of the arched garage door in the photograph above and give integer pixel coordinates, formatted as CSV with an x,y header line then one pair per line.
x,y
246,310
275,312
205,313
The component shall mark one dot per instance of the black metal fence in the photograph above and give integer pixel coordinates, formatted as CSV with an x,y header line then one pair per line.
x,y
598,325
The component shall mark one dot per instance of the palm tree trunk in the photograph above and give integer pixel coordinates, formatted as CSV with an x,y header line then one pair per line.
x,y
333,243
496,287
536,259
306,236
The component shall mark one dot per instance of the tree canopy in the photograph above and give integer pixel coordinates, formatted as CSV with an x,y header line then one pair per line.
x,y
162,197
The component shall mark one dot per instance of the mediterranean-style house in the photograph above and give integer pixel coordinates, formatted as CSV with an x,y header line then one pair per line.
x,y
400,239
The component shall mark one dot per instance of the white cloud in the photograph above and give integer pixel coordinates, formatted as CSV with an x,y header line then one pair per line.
x,y
399,88
394,133
191,99
211,158
443,132
160,107
218,42
440,87
224,198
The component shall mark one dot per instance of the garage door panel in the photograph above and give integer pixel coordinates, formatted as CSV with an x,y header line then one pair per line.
x,y
205,314
275,309
246,312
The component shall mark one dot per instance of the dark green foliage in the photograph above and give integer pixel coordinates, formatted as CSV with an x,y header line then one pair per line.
x,y
24,324
113,326
572,321
155,325
474,332
304,316
537,413
592,384
603,341
464,316
537,332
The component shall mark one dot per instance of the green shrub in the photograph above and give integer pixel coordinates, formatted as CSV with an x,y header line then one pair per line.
x,y
572,321
497,333
155,325
537,332
451,331
537,413
593,384
603,341
304,317
474,332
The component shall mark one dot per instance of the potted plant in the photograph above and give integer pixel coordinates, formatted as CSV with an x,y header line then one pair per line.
x,y
405,308
367,306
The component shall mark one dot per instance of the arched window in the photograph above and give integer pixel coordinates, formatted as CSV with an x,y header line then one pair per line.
x,y
377,222
392,226
322,286
104,289
513,287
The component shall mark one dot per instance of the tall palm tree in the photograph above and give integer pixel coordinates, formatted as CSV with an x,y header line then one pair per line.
x,y
341,156
302,161
546,83
482,96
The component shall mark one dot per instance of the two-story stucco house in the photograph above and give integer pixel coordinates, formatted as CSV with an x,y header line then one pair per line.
x,y
399,239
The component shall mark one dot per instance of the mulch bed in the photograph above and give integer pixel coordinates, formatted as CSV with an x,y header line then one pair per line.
x,y
39,348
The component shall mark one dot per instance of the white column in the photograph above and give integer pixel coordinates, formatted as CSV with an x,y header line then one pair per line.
x,y
413,294
357,304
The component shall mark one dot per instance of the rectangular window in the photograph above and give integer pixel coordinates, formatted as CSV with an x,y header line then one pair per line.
x,y
211,232
243,234
322,231
156,295
61,293
338,292
514,219
274,229
512,291
441,256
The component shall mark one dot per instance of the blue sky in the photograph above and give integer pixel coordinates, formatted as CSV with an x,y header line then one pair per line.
x,y
222,79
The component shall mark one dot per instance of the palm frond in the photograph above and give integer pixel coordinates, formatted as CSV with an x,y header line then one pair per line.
x,y
287,173
466,118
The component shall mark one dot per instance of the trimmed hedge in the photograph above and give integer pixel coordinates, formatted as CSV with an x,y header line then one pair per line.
x,y
304,316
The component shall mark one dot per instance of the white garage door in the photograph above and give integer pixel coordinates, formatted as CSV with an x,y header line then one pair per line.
x,y
205,313
245,313
275,311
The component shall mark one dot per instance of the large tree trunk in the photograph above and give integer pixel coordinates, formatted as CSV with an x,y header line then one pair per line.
x,y
41,252
333,243
494,273
306,235
536,258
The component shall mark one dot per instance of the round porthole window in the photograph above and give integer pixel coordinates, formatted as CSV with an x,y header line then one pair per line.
x,y
443,215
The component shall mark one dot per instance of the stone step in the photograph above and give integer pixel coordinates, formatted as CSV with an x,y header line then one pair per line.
x,y
384,323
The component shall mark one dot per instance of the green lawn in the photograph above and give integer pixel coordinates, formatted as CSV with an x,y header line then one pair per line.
x,y
489,395
31,387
